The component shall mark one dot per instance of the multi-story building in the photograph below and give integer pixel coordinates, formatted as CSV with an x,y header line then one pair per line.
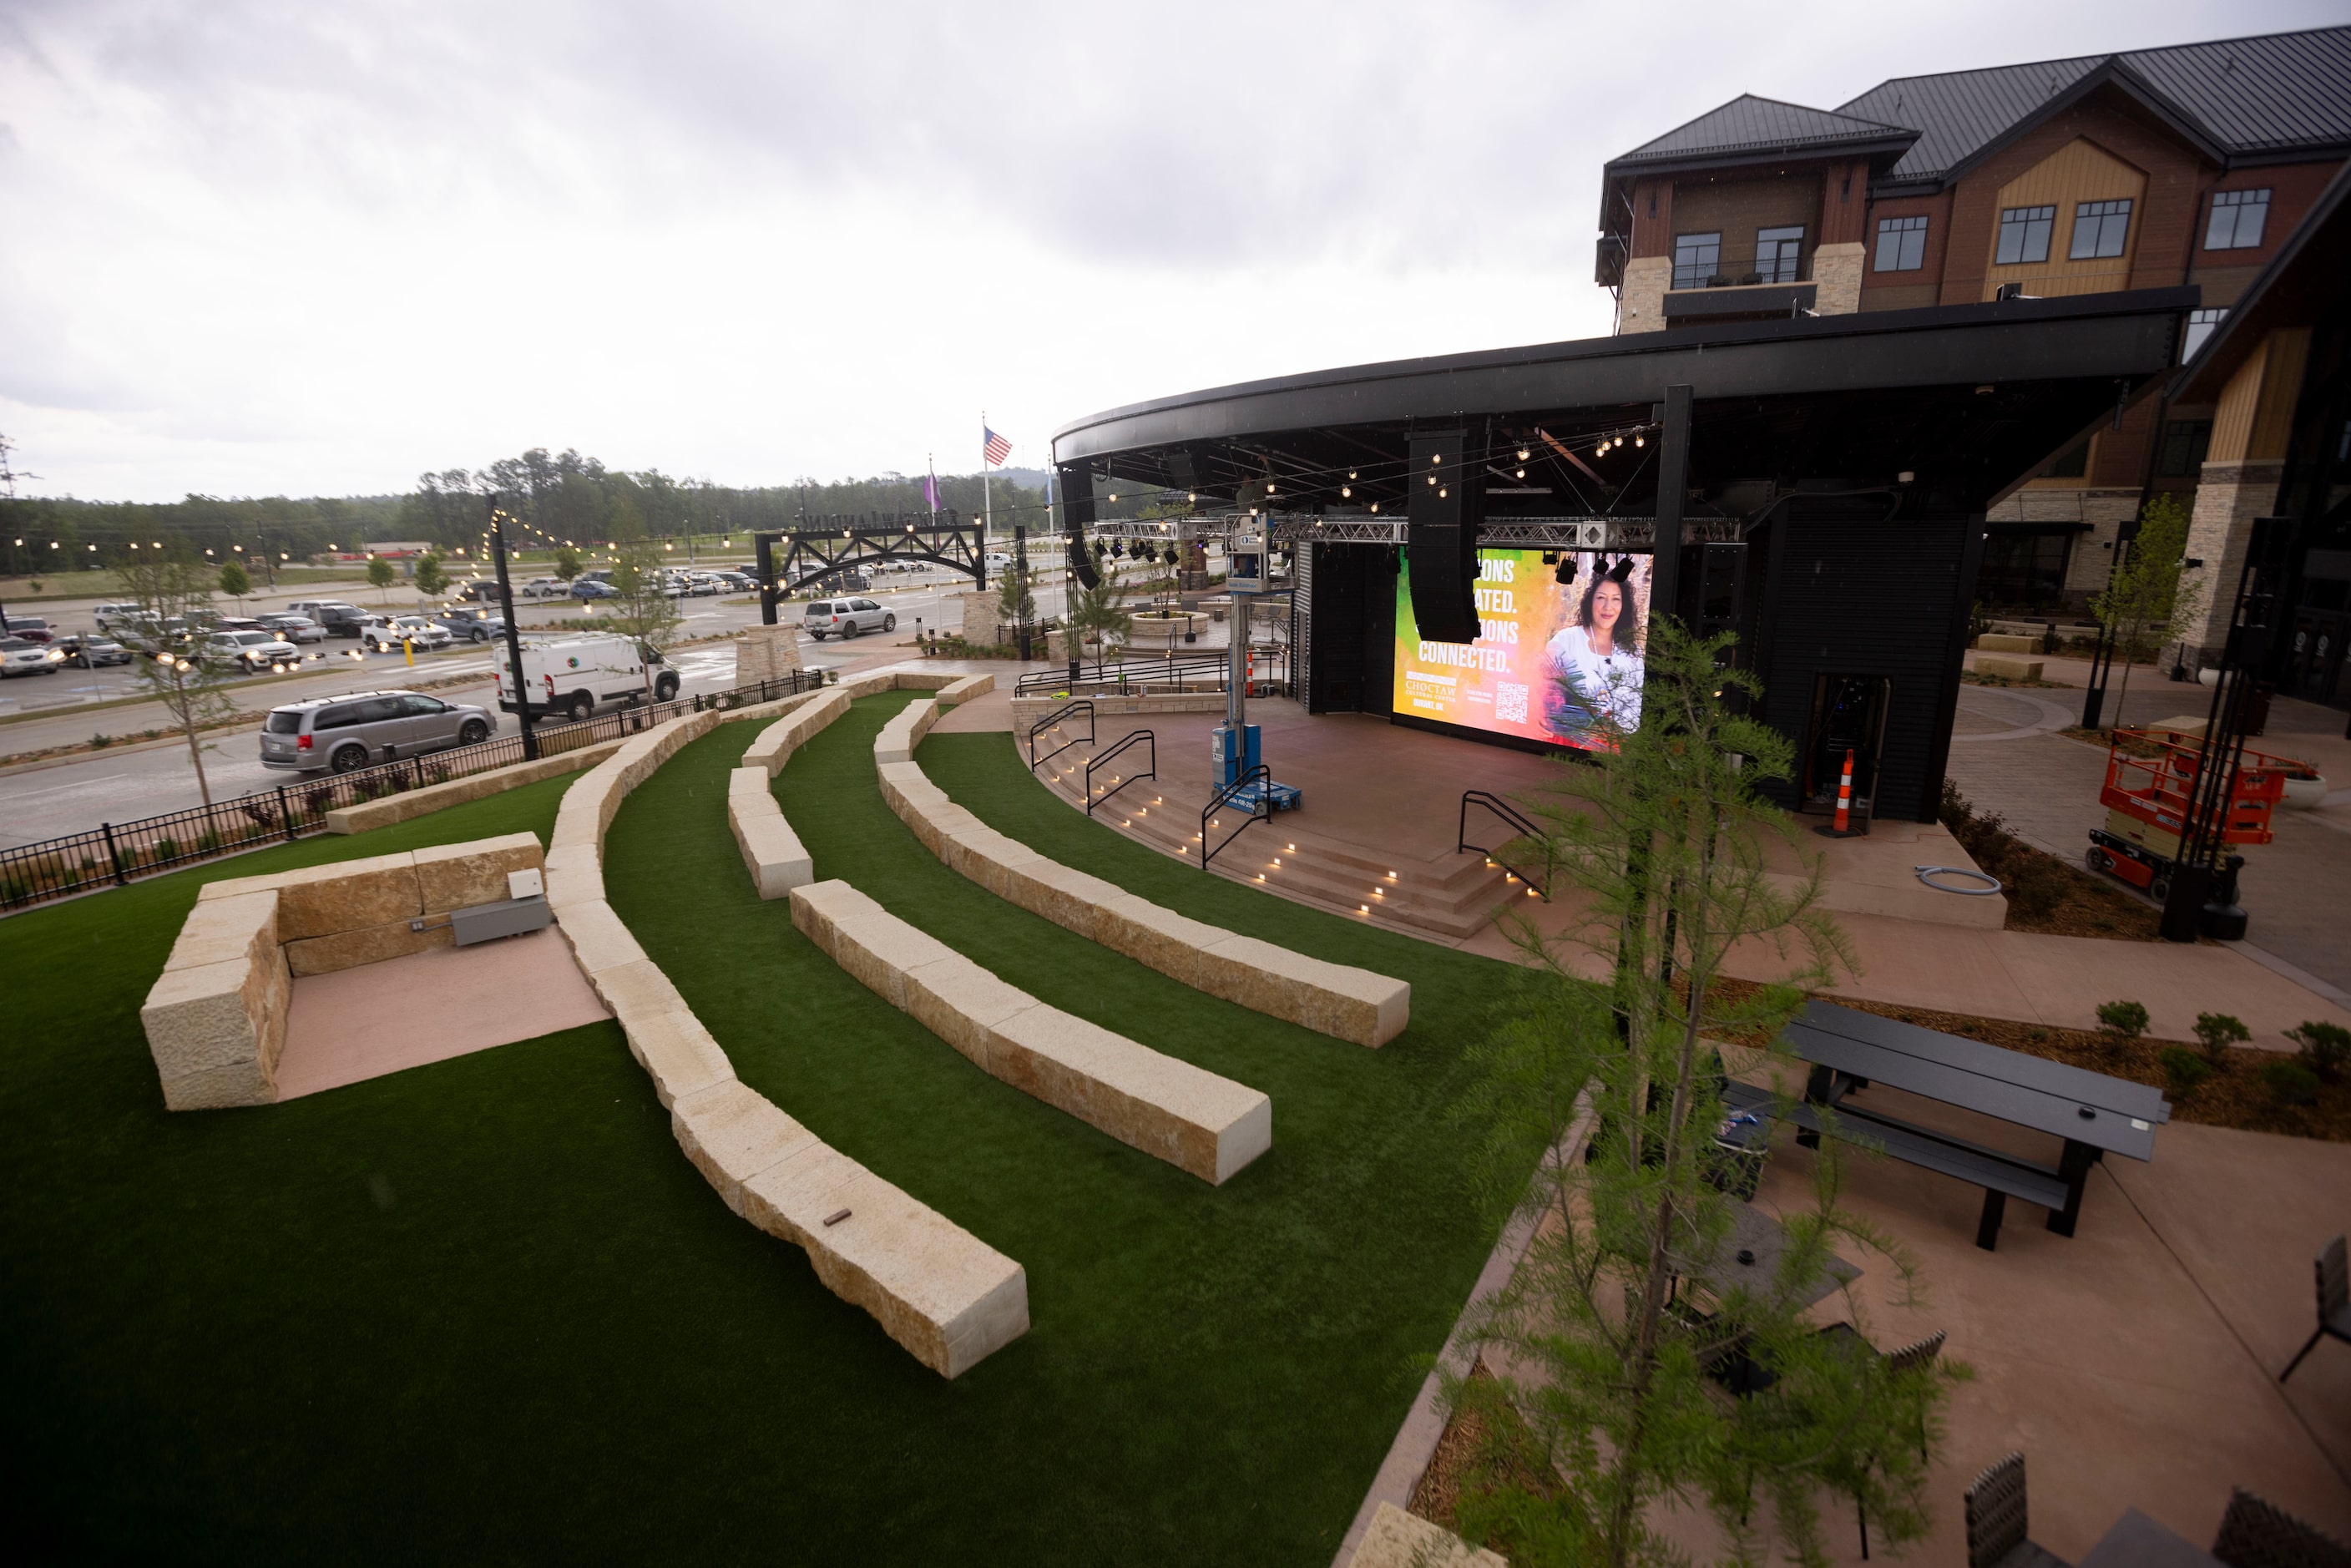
x,y
2157,167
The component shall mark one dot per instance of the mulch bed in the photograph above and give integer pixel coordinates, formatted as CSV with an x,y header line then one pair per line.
x,y
1436,1496
2045,894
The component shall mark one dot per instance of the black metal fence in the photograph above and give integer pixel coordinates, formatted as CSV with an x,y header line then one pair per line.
x,y
1269,665
115,853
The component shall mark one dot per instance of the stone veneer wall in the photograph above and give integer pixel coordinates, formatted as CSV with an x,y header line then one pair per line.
x,y
1836,278
945,1296
1197,1121
215,1019
2104,510
1641,301
767,654
2229,496
1336,999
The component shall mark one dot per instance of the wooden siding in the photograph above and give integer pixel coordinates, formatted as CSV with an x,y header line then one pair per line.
x,y
2081,170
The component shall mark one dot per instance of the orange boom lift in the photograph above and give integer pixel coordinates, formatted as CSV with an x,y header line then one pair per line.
x,y
2150,777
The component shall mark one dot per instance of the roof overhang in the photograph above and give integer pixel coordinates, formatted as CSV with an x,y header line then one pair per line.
x,y
1978,394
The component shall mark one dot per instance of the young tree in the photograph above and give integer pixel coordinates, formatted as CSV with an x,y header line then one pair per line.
x,y
1099,614
1016,602
567,563
382,574
432,577
173,586
644,609
236,582
2145,602
1610,1409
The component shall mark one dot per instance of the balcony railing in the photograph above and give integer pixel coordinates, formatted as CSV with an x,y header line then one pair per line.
x,y
1744,271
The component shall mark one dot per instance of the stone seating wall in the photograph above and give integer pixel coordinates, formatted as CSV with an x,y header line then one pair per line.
x,y
215,1019
410,803
1337,999
945,1296
1195,1120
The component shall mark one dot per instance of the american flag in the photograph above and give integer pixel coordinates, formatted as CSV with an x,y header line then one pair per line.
x,y
994,447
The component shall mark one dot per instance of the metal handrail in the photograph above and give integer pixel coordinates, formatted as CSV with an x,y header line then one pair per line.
x,y
1511,817
1103,760
1050,721
1124,670
1263,812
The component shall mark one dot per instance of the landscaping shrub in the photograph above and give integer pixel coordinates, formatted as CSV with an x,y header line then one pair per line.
x,y
2290,1083
2217,1032
209,841
165,849
2184,1069
2122,1021
101,741
2324,1046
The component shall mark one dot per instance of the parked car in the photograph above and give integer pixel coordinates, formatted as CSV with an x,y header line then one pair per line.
x,y
249,651
544,588
89,651
149,635
703,583
294,628
115,616
236,624
574,676
738,580
480,590
361,728
335,617
31,628
589,588
847,617
473,626
390,633
20,657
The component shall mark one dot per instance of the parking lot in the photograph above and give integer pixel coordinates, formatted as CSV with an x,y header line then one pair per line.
x,y
138,778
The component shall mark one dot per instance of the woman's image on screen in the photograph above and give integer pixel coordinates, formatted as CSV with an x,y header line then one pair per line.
x,y
1596,658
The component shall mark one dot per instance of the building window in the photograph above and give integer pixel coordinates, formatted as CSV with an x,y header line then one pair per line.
x,y
2199,327
2073,465
1779,253
1901,243
2180,454
1697,258
2237,219
2021,570
2024,234
2099,229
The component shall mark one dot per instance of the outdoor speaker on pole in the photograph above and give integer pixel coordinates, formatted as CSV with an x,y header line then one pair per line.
x,y
1076,511
1446,505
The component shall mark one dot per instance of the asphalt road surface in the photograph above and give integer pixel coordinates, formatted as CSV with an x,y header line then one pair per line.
x,y
125,782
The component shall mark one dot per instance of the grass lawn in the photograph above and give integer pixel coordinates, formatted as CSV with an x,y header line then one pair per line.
x,y
485,1309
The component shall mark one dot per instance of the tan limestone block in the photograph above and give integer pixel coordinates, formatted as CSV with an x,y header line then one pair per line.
x,y
676,1052
598,939
989,858
945,1296
369,944
197,1019
793,1197
637,990
220,930
319,901
962,1002
238,886
460,876
919,680
2008,667
575,874
964,690
732,1133
779,862
220,1088
876,948
1195,1120
1067,897
1395,1538
816,911
1336,999
869,686
1160,938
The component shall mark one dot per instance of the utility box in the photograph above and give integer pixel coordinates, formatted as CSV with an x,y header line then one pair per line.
x,y
1232,755
509,917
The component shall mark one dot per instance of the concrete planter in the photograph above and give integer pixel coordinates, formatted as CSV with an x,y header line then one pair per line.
x,y
1165,630
2304,794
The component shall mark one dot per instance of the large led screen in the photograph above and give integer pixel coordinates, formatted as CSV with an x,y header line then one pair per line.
x,y
1556,661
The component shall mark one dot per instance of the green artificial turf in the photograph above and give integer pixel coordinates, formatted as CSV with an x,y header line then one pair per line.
x,y
1213,1374
485,1310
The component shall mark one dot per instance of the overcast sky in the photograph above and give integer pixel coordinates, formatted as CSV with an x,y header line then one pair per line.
x,y
256,248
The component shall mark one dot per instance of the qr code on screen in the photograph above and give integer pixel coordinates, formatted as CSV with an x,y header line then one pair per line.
x,y
1510,703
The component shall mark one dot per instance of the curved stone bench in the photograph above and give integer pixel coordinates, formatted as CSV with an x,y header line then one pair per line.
x,y
1337,999
945,1295
1195,1120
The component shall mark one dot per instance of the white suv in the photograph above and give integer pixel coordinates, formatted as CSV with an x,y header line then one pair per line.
x,y
848,617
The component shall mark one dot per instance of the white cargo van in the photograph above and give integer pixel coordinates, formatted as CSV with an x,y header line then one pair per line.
x,y
575,676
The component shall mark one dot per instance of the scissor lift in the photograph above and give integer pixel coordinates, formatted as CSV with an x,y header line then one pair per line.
x,y
2150,777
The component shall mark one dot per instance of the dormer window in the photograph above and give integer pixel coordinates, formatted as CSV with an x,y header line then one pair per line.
x,y
2024,234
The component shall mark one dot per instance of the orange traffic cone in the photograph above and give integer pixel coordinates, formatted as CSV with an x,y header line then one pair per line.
x,y
1843,828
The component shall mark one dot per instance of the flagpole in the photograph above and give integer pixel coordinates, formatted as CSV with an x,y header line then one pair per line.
x,y
987,498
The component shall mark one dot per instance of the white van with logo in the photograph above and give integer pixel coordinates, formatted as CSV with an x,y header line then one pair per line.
x,y
575,676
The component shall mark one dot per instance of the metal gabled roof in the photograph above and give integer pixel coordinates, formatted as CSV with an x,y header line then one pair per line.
x,y
2244,97
1751,125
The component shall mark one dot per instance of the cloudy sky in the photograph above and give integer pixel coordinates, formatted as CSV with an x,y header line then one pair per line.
x,y
255,248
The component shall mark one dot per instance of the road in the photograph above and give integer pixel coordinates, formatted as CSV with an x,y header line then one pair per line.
x,y
121,783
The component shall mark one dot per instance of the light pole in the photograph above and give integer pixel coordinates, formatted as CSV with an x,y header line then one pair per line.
x,y
514,632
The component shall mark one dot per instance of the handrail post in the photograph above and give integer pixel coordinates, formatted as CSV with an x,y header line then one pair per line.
x,y
113,855
284,814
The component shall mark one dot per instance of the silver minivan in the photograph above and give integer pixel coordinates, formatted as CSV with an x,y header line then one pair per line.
x,y
362,727
847,617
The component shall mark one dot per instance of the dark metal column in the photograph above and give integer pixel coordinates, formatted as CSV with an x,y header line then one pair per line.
x,y
514,630
765,545
1673,416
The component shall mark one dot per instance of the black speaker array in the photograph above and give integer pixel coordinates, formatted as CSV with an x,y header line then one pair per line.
x,y
1447,504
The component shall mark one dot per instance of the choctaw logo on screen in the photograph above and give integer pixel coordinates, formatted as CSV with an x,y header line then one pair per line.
x,y
1556,662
